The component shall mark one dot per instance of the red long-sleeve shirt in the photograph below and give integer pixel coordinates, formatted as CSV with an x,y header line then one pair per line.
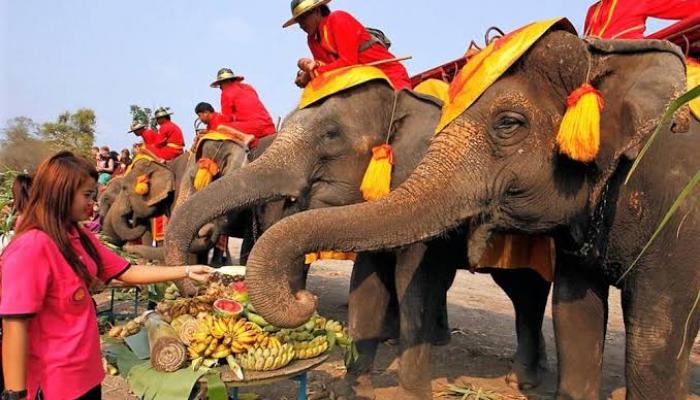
x,y
167,143
244,111
626,19
338,42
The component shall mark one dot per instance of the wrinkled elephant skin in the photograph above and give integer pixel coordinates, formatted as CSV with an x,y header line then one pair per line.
x,y
498,166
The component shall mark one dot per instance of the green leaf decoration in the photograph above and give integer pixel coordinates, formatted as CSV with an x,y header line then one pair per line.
x,y
672,108
149,384
674,207
117,353
216,390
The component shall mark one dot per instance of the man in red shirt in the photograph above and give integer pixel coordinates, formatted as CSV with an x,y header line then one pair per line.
x,y
168,142
146,134
626,19
217,122
241,107
336,39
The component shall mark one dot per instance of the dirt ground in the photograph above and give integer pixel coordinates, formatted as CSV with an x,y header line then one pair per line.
x,y
483,341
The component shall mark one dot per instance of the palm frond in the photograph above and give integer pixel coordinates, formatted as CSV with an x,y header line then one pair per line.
x,y
672,108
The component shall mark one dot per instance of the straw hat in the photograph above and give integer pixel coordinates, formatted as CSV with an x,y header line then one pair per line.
x,y
163,112
224,74
300,7
136,125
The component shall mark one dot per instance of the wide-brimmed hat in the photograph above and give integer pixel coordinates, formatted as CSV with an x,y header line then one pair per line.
x,y
135,126
300,7
224,74
163,112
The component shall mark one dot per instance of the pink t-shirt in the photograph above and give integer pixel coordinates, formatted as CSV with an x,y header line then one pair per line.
x,y
64,345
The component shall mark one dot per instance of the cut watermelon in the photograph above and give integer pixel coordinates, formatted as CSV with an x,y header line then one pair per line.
x,y
226,307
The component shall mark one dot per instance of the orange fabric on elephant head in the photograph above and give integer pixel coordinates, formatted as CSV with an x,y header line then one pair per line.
x,y
491,63
338,80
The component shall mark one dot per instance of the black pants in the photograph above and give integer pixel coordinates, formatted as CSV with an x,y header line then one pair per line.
x,y
94,394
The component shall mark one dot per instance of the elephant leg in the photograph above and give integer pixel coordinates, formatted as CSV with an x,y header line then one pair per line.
x,y
660,325
418,315
580,313
368,291
528,292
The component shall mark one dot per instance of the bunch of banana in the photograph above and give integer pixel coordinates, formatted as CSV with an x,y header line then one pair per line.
x,y
266,359
288,336
171,292
130,328
265,341
171,309
220,337
333,326
310,349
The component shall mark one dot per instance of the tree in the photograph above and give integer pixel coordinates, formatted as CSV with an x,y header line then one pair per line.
x,y
18,129
143,115
74,132
21,148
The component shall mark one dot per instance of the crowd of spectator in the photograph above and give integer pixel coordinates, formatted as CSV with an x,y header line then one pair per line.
x,y
110,163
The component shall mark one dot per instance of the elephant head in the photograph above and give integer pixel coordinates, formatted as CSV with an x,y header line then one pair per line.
x,y
317,160
495,167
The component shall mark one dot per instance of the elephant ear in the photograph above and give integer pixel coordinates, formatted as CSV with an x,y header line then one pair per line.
x,y
638,80
162,183
414,122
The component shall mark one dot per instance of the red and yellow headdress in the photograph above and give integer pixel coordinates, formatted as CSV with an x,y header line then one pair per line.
x,y
579,132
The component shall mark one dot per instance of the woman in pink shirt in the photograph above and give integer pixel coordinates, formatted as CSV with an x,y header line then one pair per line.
x,y
50,340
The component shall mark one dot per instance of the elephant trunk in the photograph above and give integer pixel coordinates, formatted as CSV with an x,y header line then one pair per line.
x,y
428,203
268,178
118,219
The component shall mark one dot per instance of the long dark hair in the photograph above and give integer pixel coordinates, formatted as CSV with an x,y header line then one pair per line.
x,y
56,183
20,193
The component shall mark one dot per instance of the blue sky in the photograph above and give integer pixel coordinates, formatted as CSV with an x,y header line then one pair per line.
x,y
106,55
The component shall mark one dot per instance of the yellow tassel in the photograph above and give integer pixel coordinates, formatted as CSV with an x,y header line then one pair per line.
x,y
579,132
142,185
377,180
206,172
310,258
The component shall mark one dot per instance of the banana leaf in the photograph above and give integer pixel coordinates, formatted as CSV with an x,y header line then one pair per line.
x,y
216,390
149,384
125,358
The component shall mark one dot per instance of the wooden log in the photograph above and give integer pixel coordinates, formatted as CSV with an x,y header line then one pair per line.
x,y
168,353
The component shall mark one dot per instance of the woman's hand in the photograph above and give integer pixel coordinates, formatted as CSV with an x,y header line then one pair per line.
x,y
199,272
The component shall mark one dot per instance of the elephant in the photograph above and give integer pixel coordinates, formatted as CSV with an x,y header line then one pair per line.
x,y
127,231
170,184
497,168
318,161
127,214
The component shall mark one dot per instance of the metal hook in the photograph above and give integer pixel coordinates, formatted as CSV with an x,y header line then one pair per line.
x,y
488,39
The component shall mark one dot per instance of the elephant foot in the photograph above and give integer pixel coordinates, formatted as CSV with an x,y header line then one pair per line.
x,y
355,387
524,377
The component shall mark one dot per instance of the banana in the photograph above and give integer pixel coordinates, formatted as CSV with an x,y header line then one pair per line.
x,y
221,353
257,319
268,363
259,364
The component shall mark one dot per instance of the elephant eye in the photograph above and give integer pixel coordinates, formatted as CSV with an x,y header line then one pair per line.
x,y
507,123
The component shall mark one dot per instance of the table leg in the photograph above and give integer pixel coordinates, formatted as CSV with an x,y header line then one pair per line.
x,y
302,386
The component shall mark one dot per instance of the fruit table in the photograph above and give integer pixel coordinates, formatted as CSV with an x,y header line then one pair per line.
x,y
297,371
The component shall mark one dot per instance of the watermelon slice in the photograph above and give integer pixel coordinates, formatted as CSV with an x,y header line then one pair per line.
x,y
226,307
